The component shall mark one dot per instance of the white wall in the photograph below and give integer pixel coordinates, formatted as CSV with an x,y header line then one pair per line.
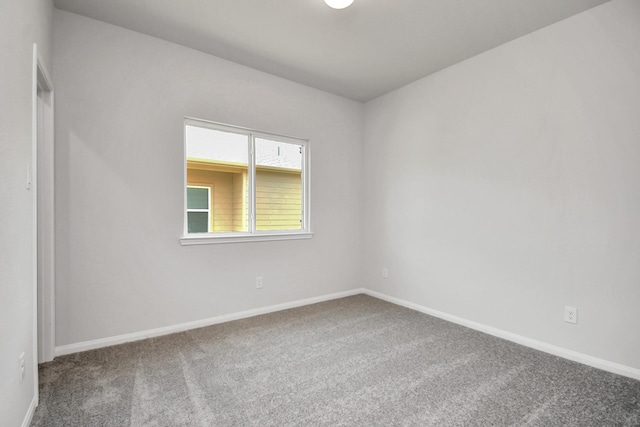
x,y
22,23
120,102
503,188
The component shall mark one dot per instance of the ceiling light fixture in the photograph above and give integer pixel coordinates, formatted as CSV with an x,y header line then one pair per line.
x,y
338,4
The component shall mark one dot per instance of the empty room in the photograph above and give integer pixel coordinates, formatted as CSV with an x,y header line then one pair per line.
x,y
320,212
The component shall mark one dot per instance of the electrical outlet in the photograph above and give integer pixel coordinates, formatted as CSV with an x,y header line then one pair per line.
x,y
259,282
385,273
21,367
570,314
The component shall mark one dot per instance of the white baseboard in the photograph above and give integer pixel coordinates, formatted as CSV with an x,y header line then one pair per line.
x,y
595,362
136,336
32,409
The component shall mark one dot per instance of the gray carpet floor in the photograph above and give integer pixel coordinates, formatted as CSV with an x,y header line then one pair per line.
x,y
356,361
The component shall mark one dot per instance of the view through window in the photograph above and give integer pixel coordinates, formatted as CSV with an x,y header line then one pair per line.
x,y
243,181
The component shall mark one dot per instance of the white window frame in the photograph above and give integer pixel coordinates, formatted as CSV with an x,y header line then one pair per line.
x,y
252,235
208,210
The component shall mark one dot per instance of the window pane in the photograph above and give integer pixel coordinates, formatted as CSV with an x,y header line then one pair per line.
x,y
197,198
278,185
278,154
219,160
197,222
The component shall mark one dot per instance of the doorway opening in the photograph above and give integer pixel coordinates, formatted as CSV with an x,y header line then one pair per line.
x,y
44,215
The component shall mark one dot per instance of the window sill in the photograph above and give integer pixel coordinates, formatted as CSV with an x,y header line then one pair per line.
x,y
212,239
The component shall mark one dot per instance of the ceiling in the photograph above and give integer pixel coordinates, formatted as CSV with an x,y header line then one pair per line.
x,y
361,52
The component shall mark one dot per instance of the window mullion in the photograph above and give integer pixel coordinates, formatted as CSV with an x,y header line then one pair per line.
x,y
303,185
252,184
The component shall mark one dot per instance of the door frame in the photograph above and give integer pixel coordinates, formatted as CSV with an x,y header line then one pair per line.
x,y
43,232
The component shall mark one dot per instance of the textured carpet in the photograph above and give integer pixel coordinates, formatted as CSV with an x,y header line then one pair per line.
x,y
356,361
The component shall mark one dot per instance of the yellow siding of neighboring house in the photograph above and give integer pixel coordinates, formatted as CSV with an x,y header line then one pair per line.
x,y
278,196
240,201
278,200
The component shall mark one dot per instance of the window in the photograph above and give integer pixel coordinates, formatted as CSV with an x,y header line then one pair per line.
x,y
198,209
244,185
